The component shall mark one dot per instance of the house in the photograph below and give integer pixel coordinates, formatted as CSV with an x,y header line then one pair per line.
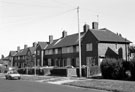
x,y
25,57
20,58
96,44
40,53
11,55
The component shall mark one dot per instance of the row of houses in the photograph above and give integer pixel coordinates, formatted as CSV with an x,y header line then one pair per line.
x,y
96,44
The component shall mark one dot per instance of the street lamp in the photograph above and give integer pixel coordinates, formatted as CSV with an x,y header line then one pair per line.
x,y
80,67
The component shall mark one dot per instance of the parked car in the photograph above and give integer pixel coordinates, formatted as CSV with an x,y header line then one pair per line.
x,y
12,75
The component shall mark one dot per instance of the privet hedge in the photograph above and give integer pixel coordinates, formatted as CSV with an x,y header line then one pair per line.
x,y
118,69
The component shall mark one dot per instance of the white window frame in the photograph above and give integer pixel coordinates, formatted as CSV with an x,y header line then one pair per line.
x,y
89,47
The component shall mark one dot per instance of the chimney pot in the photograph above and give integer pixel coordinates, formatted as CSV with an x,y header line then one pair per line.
x,y
64,34
34,44
94,25
25,46
86,27
18,48
50,39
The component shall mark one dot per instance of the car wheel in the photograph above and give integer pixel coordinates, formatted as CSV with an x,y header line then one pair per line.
x,y
19,78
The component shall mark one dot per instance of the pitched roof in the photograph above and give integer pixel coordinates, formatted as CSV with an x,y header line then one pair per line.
x,y
42,44
108,36
66,41
32,50
12,53
22,52
6,58
100,34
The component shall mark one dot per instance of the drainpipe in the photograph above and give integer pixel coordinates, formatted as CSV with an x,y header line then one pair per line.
x,y
42,58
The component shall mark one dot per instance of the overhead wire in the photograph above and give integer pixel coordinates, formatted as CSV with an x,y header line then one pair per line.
x,y
29,5
62,3
40,17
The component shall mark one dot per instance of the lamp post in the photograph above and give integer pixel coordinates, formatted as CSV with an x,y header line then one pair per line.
x,y
80,67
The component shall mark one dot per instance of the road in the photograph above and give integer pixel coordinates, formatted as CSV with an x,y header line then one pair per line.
x,y
27,86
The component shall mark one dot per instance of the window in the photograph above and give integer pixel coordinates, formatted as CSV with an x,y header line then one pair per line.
x,y
77,62
46,52
68,61
77,48
70,49
64,50
38,62
89,47
90,61
49,52
56,51
67,49
49,62
18,58
38,52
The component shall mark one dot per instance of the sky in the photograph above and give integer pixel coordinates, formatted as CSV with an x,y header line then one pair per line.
x,y
27,21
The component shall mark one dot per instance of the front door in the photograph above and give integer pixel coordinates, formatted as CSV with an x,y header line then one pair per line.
x,y
89,65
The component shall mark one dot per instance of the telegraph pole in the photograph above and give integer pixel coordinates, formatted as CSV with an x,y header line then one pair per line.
x,y
80,62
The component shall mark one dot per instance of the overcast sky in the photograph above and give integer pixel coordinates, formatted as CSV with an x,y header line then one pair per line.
x,y
27,21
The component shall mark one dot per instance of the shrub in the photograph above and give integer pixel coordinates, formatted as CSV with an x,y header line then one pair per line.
x,y
132,68
112,68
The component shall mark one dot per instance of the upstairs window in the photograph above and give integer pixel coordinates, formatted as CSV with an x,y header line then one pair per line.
x,y
64,50
67,49
38,52
46,52
50,52
18,58
70,49
55,51
89,47
77,48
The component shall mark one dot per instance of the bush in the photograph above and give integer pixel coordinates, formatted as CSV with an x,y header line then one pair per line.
x,y
112,68
132,68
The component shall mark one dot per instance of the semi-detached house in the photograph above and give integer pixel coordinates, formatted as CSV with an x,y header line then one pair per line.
x,y
96,44
25,57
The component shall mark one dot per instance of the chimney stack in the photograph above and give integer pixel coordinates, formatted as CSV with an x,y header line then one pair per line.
x,y
18,48
50,39
86,27
34,44
64,34
94,25
25,46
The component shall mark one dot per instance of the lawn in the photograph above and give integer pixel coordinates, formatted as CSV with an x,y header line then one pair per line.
x,y
103,84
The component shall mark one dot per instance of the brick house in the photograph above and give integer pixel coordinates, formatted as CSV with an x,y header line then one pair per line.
x,y
95,45
11,56
25,57
40,53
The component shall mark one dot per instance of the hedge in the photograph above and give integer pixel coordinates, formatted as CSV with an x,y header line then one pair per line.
x,y
118,69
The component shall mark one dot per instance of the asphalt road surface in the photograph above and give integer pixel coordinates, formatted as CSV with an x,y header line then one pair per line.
x,y
27,86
